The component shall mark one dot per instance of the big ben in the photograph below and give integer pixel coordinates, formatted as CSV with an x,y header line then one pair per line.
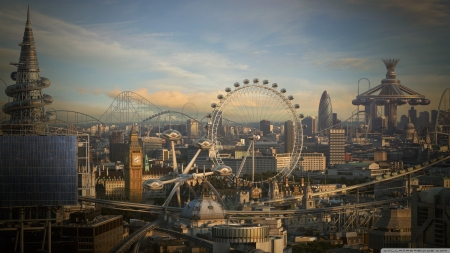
x,y
133,169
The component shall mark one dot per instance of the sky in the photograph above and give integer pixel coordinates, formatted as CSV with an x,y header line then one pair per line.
x,y
179,52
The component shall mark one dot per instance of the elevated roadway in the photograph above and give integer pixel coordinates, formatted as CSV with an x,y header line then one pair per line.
x,y
135,237
399,175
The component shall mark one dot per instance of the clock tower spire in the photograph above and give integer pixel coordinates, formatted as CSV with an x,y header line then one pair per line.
x,y
133,168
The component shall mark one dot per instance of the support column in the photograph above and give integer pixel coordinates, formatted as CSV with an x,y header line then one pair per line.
x,y
357,195
22,218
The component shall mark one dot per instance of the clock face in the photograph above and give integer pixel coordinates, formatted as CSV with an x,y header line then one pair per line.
x,y
136,160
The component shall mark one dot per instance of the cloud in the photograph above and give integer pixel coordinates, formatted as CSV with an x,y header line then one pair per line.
x,y
262,52
348,63
429,12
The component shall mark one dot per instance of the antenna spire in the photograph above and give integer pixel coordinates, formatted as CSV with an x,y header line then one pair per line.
x,y
28,14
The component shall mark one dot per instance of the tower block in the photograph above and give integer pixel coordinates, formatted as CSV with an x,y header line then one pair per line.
x,y
133,168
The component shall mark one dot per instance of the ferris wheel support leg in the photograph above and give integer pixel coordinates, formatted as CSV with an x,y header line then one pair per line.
x,y
174,157
191,163
175,187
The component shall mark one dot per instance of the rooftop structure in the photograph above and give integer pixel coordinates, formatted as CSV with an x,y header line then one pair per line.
x,y
390,94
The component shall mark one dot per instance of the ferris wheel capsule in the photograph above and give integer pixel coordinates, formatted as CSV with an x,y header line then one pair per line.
x,y
236,84
265,82
283,90
204,143
209,115
301,115
290,97
296,106
274,85
213,105
255,80
227,89
220,96
246,81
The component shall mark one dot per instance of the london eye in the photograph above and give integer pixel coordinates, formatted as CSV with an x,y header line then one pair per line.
x,y
261,113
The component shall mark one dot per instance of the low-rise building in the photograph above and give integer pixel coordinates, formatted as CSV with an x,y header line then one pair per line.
x,y
92,231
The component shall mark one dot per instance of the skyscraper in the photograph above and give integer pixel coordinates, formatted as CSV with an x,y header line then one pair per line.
x,y
288,136
337,146
424,119
192,128
412,113
38,167
311,123
325,113
264,127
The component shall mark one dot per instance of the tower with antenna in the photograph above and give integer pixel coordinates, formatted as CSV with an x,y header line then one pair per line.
x,y
27,112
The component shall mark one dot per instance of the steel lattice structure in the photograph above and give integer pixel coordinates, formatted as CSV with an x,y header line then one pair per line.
x,y
259,96
27,112
129,107
442,123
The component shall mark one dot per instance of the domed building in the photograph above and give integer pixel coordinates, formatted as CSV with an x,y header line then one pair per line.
x,y
199,215
410,132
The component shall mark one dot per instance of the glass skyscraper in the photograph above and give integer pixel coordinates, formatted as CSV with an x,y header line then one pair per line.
x,y
325,113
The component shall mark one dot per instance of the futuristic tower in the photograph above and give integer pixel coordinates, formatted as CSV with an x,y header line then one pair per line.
x,y
325,112
27,112
390,94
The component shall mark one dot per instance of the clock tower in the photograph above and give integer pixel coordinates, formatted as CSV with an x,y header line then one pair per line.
x,y
133,168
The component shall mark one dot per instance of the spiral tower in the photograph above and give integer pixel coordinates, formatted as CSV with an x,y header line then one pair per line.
x,y
27,112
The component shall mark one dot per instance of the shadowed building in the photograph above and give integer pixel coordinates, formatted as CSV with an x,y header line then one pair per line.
x,y
288,136
264,127
430,218
311,123
392,230
325,113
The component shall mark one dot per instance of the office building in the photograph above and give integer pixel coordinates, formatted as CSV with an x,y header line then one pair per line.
x,y
92,231
264,127
150,145
412,113
313,162
325,113
289,136
117,146
311,123
423,120
337,146
192,128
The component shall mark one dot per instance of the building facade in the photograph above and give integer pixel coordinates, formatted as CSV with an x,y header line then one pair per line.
x,y
429,218
392,230
337,146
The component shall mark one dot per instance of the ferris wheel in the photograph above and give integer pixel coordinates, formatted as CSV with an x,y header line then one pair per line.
x,y
257,112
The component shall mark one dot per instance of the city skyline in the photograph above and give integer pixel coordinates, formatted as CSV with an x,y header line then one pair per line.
x,y
171,54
